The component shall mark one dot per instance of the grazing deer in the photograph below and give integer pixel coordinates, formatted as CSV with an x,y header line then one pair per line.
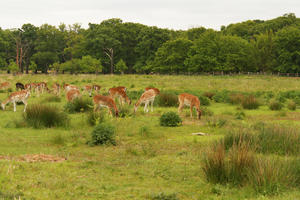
x,y
68,87
152,88
146,98
56,89
19,96
89,89
105,101
121,93
73,94
20,86
4,85
189,100
40,88
97,88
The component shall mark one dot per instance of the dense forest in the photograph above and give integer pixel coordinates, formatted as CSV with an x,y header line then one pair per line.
x,y
114,46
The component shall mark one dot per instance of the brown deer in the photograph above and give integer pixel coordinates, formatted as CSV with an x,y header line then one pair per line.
x,y
4,85
68,87
152,88
121,93
97,88
189,100
146,98
56,89
105,101
40,88
19,96
89,89
73,94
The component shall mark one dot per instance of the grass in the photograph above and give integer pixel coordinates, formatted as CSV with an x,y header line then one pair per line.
x,y
149,161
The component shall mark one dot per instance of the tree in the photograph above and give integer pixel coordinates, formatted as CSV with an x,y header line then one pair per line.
x,y
13,67
287,50
33,67
121,66
170,57
90,64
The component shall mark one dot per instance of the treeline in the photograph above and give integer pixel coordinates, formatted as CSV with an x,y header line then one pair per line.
x,y
114,46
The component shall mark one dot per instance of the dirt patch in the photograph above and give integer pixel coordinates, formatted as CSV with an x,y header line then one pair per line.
x,y
35,158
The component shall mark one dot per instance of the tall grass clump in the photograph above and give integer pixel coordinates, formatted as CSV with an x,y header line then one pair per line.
x,y
164,196
125,111
52,98
204,101
79,105
291,105
221,96
103,133
171,119
94,118
39,116
270,176
167,99
275,104
236,98
250,102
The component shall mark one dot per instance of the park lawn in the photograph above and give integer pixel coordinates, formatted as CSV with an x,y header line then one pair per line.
x,y
148,161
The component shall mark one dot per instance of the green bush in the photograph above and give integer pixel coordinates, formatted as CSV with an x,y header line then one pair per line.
x,y
39,116
103,133
163,196
94,118
291,105
170,119
275,105
250,102
236,98
221,96
209,95
204,101
79,105
125,111
167,100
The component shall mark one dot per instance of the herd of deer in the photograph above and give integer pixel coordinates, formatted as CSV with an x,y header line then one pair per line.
x,y
73,92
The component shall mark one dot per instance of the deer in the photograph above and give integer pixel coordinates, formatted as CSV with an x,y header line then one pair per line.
x,y
56,88
146,98
40,88
96,88
73,94
189,100
89,89
4,85
152,88
68,87
20,86
19,96
105,101
121,93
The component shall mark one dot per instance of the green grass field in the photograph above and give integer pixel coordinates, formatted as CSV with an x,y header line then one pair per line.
x,y
149,161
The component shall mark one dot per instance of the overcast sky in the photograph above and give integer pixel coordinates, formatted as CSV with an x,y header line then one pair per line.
x,y
173,14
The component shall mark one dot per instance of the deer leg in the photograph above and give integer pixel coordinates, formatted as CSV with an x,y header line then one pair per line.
x,y
180,108
191,111
15,106
145,107
25,103
152,105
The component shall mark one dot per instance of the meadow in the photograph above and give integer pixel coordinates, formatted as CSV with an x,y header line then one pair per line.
x,y
153,162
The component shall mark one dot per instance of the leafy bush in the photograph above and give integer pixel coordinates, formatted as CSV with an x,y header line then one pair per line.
x,y
275,105
163,196
38,116
250,102
125,111
204,101
94,118
291,105
167,99
103,133
170,119
209,95
79,105
221,96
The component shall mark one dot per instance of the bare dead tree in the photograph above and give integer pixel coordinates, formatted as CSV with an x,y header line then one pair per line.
x,y
110,53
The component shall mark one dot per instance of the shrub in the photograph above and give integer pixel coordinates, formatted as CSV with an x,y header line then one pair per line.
x,y
204,101
209,95
250,102
221,96
39,116
163,196
167,99
291,105
103,133
94,118
124,111
79,105
170,119
275,105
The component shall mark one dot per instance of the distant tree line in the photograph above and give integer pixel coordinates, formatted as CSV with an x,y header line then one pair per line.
x,y
114,46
